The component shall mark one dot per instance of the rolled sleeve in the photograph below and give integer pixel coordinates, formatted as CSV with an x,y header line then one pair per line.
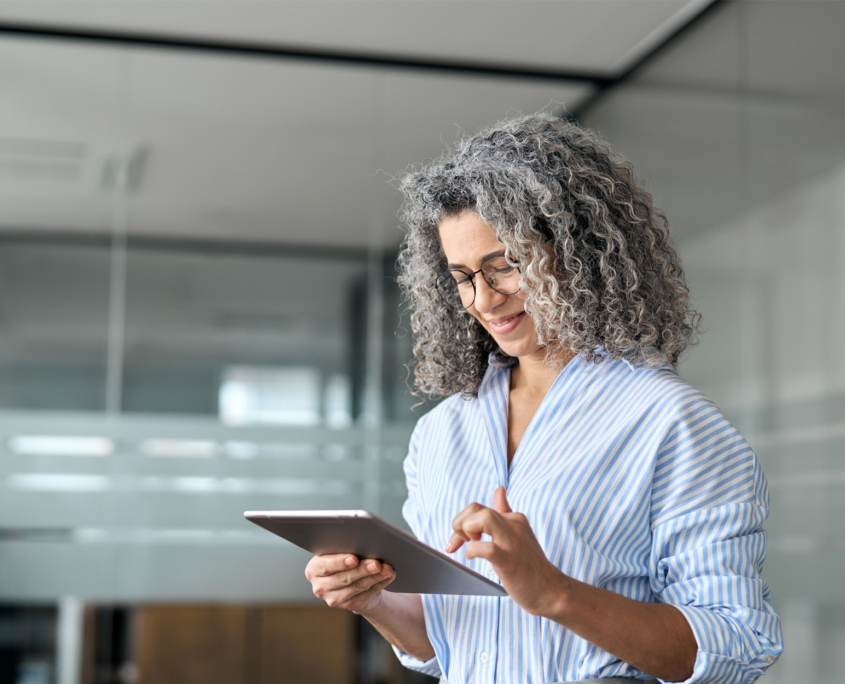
x,y
709,502
430,667
706,564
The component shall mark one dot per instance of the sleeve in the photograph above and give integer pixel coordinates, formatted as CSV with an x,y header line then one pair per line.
x,y
412,511
709,501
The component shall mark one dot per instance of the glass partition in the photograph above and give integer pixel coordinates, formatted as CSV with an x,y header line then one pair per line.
x,y
198,317
54,295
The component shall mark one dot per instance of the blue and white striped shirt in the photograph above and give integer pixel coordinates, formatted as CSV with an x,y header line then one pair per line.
x,y
632,480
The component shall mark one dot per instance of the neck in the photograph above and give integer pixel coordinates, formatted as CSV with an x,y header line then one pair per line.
x,y
531,373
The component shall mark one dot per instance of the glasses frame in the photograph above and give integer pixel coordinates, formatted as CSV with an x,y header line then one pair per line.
x,y
448,274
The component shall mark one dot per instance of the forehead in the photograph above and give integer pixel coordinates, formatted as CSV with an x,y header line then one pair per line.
x,y
466,239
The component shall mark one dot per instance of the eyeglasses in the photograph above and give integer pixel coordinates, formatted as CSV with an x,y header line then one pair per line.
x,y
458,287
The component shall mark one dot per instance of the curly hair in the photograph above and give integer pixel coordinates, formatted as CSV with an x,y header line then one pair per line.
x,y
612,279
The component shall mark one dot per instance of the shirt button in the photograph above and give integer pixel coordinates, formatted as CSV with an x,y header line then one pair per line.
x,y
769,659
492,575
484,657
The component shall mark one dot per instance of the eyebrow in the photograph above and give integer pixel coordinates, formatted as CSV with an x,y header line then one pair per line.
x,y
459,267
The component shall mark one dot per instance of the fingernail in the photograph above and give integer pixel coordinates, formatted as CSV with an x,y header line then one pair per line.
x,y
372,567
385,569
350,561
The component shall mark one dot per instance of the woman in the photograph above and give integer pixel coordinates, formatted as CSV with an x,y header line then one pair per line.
x,y
619,509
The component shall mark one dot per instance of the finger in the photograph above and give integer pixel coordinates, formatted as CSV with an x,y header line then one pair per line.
x,y
346,578
456,541
360,587
376,588
458,526
360,600
332,564
500,501
381,584
371,565
472,509
461,535
487,550
343,585
485,521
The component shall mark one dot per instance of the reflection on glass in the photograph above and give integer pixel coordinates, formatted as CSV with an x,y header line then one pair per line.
x,y
255,395
53,322
53,445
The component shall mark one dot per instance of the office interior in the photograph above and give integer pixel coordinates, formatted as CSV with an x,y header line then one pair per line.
x,y
198,311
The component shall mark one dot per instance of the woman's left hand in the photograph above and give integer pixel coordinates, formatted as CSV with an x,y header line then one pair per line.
x,y
517,557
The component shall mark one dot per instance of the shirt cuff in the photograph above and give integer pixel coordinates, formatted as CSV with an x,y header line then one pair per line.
x,y
430,667
716,660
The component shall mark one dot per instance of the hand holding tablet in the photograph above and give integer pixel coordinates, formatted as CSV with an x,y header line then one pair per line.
x,y
419,568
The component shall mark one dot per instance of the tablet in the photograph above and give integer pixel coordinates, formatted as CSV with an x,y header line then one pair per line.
x,y
419,568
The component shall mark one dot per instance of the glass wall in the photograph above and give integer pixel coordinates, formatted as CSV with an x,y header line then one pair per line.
x,y
739,128
55,295
198,317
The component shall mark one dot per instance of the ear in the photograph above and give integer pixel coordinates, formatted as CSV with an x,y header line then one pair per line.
x,y
500,501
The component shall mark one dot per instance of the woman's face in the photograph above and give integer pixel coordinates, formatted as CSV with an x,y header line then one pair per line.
x,y
466,242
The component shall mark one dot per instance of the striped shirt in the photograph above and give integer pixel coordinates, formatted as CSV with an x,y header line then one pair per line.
x,y
632,480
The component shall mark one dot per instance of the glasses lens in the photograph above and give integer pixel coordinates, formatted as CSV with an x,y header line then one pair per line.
x,y
456,289
501,275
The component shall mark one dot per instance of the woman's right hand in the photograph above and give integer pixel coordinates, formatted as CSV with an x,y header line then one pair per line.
x,y
344,582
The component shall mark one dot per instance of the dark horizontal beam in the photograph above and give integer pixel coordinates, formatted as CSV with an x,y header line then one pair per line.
x,y
195,245
269,50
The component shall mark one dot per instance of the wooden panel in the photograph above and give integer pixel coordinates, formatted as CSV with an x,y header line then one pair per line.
x,y
89,646
191,644
308,645
305,644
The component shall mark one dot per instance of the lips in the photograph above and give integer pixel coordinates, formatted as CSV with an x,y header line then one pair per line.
x,y
505,325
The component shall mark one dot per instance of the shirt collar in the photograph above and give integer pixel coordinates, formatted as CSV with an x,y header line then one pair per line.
x,y
497,360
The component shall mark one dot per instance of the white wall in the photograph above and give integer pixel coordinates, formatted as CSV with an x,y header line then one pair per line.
x,y
770,284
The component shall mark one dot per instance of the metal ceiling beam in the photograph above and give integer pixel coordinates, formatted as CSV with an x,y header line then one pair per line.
x,y
192,245
269,50
603,82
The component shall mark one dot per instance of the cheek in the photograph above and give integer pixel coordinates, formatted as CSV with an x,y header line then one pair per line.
x,y
475,315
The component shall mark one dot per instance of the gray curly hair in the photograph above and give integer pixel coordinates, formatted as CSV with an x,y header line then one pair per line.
x,y
612,279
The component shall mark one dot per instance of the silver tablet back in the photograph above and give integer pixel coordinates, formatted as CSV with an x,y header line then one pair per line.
x,y
419,568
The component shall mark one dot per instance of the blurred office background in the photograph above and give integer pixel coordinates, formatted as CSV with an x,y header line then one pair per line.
x,y
197,312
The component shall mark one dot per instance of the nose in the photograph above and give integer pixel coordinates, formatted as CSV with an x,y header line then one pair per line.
x,y
486,298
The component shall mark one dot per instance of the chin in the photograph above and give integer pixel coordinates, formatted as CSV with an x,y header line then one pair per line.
x,y
518,350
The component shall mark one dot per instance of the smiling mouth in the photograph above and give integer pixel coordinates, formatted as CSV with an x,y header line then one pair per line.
x,y
506,325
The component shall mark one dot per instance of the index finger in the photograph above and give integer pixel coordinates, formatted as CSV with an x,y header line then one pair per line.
x,y
333,563
481,521
471,523
457,521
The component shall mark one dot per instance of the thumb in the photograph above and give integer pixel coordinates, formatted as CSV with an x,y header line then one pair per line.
x,y
500,501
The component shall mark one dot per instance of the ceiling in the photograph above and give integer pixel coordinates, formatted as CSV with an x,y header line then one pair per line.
x,y
746,106
543,34
291,150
